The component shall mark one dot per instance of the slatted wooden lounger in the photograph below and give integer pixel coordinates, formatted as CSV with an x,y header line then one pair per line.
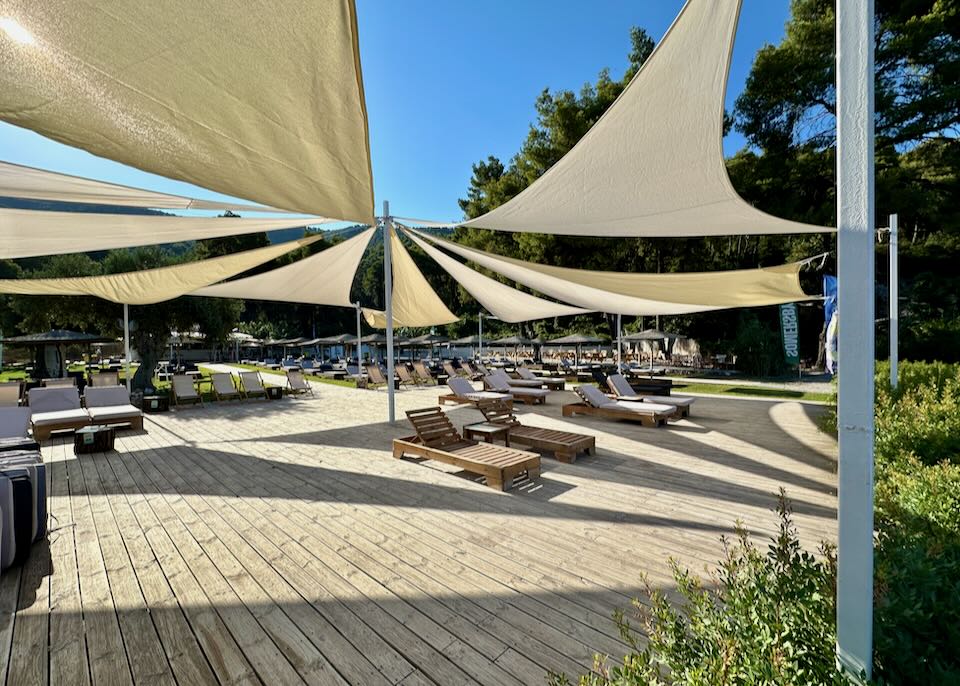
x,y
597,404
437,439
420,369
565,445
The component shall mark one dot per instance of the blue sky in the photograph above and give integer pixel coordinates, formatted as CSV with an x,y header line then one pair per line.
x,y
448,83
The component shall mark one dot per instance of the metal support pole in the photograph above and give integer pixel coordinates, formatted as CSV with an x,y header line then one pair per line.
x,y
619,345
126,343
480,339
359,335
894,302
388,305
855,271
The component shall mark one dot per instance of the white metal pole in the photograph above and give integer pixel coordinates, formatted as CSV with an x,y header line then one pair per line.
x,y
894,302
359,335
126,343
855,302
388,305
619,345
480,339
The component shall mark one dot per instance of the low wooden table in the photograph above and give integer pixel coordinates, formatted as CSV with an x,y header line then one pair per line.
x,y
488,432
274,392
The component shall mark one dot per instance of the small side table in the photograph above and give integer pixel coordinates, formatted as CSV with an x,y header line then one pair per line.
x,y
274,392
93,439
156,403
487,431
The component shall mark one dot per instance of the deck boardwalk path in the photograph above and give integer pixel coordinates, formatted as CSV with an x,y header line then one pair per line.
x,y
278,542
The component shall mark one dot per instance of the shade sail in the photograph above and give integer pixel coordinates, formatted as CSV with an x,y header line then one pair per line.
x,y
321,279
258,101
415,303
645,294
18,181
653,164
154,285
501,300
27,233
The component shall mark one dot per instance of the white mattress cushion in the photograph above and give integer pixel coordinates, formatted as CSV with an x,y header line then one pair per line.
x,y
58,417
114,412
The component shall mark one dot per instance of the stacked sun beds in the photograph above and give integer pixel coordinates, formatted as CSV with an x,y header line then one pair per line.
x,y
23,497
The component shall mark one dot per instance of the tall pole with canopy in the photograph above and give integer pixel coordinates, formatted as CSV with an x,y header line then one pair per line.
x,y
855,302
388,305
126,344
359,333
894,302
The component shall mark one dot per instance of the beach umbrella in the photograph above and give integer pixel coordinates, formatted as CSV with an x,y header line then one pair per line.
x,y
654,336
429,340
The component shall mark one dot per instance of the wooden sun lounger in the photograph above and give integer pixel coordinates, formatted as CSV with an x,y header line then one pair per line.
x,y
459,395
223,386
437,439
622,390
565,445
531,396
420,369
552,383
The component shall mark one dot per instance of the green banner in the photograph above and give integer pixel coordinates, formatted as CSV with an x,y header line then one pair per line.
x,y
790,333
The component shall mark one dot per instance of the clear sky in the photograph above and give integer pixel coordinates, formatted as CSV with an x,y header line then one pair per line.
x,y
448,83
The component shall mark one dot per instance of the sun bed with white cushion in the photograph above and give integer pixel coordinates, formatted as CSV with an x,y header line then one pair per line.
x,y
622,389
502,378
554,383
55,409
531,396
111,405
595,402
463,392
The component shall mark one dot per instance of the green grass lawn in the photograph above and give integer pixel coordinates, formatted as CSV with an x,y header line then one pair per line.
x,y
749,391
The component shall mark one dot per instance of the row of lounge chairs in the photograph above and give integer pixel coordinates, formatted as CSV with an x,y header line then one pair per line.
x,y
226,386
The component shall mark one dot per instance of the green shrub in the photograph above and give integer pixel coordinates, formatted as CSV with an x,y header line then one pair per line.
x,y
769,619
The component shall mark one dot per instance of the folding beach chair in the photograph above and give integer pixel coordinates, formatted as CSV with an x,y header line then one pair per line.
x,y
298,384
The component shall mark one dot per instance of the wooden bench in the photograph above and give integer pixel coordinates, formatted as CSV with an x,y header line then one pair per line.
x,y
565,445
437,439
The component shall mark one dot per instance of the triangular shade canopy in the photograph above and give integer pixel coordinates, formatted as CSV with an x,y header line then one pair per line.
x,y
260,102
17,181
28,233
154,285
415,303
653,164
321,279
644,294
503,301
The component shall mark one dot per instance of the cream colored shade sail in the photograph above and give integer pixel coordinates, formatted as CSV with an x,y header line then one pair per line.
x,y
321,279
653,164
27,233
505,302
154,285
644,294
18,181
260,101
415,303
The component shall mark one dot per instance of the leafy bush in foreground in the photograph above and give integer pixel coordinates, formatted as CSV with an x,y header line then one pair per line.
x,y
769,620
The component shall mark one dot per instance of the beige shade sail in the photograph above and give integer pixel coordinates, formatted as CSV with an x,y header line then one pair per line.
x,y
154,285
28,233
505,302
653,164
260,101
18,181
415,303
644,294
321,279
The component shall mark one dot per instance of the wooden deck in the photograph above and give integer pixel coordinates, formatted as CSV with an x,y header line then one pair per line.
x,y
280,543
